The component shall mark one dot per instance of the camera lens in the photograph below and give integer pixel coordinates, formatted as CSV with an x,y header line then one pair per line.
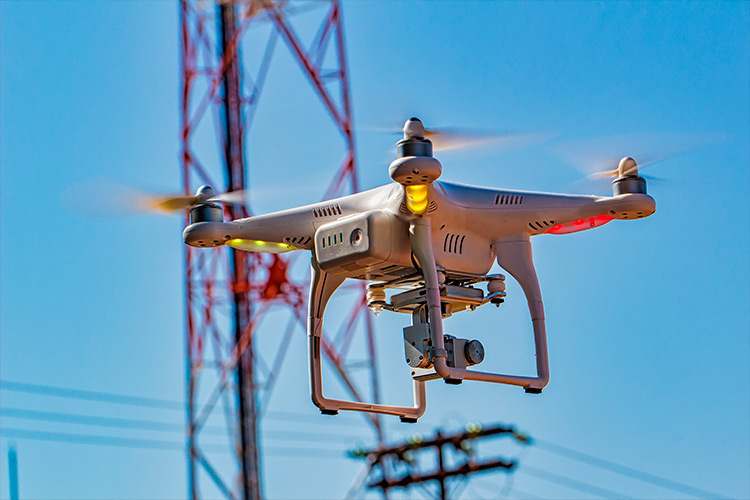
x,y
356,237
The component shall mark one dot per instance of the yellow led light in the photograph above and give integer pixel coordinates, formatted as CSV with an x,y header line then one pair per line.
x,y
259,246
417,200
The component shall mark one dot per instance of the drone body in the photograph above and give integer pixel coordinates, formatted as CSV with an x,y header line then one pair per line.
x,y
466,222
434,242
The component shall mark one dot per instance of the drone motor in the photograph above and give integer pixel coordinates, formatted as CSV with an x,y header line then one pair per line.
x,y
628,180
206,211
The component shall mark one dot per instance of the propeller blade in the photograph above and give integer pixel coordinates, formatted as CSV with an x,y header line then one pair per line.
x,y
99,197
183,202
598,158
462,138
169,203
238,197
102,197
453,138
606,174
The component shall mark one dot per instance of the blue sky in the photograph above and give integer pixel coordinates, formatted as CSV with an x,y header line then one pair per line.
x,y
649,321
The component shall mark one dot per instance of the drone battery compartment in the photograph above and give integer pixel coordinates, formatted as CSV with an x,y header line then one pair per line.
x,y
358,244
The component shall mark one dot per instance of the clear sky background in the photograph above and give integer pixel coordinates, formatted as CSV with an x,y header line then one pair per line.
x,y
648,321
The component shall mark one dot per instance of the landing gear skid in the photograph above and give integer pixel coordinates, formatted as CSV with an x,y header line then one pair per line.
x,y
323,285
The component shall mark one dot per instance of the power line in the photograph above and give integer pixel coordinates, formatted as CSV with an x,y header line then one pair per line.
x,y
491,487
158,444
624,470
109,397
153,425
147,402
179,446
170,404
569,482
77,418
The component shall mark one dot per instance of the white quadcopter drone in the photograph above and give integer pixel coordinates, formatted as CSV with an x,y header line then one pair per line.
x,y
433,243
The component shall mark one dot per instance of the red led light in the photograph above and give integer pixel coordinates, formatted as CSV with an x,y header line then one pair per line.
x,y
574,227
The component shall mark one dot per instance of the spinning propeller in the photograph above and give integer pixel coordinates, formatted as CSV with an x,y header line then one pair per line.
x,y
589,157
105,197
627,167
455,138
204,195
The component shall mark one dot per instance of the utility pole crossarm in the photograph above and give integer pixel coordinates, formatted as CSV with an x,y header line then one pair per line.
x,y
464,470
440,440
407,455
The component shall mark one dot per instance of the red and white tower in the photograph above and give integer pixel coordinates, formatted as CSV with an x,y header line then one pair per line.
x,y
229,291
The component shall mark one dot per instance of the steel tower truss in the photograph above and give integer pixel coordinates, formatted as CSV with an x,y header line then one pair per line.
x,y
229,292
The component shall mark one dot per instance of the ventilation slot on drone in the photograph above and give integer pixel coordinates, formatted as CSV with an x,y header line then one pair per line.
x,y
298,241
332,240
454,243
541,225
508,199
327,211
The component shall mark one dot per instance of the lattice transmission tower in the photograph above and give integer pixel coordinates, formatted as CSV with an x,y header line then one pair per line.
x,y
228,292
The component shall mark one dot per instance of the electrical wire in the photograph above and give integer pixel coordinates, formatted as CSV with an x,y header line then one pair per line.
x,y
108,397
169,404
568,482
153,425
494,488
624,470
158,444
147,402
118,422
93,439
459,486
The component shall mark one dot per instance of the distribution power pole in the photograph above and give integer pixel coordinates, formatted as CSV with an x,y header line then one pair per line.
x,y
13,473
228,292
454,458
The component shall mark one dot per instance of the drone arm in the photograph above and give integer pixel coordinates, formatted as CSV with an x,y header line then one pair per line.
x,y
520,265
322,287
